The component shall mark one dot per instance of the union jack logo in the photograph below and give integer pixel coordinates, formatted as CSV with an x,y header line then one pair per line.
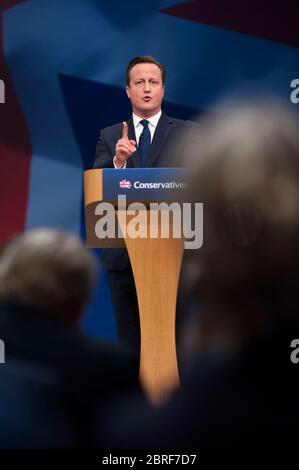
x,y
125,184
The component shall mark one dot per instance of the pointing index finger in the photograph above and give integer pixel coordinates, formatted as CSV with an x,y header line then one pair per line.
x,y
125,130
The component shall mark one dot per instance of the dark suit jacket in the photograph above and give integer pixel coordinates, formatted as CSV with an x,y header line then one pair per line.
x,y
173,144
55,381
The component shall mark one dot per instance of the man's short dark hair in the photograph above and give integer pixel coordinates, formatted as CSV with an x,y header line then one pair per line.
x,y
144,59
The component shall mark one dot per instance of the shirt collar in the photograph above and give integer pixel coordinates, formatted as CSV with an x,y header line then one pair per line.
x,y
152,120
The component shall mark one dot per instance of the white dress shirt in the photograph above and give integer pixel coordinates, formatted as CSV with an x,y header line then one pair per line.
x,y
153,122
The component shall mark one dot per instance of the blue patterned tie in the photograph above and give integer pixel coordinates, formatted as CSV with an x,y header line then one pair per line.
x,y
144,142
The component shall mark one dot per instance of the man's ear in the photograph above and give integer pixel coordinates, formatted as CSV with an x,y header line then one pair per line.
x,y
128,91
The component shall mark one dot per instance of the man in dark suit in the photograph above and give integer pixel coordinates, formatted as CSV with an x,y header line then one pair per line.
x,y
55,382
148,139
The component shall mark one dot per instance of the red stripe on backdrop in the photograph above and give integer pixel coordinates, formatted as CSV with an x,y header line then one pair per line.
x,y
15,151
277,21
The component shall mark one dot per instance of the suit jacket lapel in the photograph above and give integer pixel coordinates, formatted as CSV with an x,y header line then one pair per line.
x,y
134,159
161,133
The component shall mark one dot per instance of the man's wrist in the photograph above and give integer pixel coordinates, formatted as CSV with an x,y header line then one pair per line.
x,y
117,164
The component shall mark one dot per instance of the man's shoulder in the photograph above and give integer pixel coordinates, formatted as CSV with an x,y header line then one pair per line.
x,y
184,123
113,128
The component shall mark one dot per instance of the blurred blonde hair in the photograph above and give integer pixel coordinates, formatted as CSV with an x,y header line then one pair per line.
x,y
49,269
247,177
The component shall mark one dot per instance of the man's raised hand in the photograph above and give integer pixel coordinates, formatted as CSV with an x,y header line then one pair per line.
x,y
124,147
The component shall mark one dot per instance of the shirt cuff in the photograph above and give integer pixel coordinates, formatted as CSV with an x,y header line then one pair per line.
x,y
119,167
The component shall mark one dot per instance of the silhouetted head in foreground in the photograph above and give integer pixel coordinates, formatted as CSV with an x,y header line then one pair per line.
x,y
50,270
246,275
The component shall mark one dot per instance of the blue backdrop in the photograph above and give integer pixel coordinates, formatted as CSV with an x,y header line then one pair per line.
x,y
63,65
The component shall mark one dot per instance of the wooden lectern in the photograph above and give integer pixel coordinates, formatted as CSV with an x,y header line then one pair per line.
x,y
156,264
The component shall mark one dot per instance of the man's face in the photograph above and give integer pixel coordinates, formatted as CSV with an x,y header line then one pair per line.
x,y
146,90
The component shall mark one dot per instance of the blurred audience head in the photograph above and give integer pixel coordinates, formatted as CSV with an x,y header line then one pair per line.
x,y
246,275
49,269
